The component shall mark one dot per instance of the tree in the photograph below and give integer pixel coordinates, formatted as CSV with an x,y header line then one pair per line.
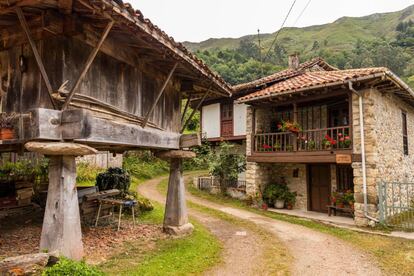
x,y
248,49
226,165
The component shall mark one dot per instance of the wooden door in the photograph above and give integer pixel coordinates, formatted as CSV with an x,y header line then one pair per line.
x,y
320,187
226,125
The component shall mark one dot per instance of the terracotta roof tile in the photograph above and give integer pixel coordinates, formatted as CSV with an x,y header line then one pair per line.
x,y
314,64
310,80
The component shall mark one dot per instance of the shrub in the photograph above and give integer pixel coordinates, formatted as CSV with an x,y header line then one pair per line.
x,y
66,267
86,173
144,165
114,178
275,192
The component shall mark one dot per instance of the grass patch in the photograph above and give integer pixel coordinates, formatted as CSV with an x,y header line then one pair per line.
x,y
188,255
394,255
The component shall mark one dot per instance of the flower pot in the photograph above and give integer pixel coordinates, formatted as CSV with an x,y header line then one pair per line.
x,y
6,134
289,206
279,204
264,206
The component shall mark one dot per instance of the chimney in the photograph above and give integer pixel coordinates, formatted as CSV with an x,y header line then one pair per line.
x,y
294,61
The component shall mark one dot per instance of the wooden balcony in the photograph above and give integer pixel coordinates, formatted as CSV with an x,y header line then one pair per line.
x,y
310,146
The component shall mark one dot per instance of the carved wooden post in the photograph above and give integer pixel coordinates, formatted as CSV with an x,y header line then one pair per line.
x,y
176,217
61,230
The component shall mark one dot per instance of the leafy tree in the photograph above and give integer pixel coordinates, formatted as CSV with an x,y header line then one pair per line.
x,y
249,49
226,165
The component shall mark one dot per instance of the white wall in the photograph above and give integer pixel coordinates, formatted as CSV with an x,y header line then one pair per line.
x,y
210,121
239,113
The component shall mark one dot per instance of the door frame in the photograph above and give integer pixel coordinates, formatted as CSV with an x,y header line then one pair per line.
x,y
309,186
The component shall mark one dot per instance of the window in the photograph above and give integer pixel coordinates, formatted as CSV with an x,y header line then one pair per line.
x,y
344,178
405,133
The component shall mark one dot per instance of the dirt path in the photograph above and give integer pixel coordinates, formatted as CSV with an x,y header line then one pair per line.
x,y
314,253
237,241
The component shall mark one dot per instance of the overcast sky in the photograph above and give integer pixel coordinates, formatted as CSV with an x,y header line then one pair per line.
x,y
195,20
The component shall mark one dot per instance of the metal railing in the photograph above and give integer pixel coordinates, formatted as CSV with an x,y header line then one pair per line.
x,y
396,204
334,138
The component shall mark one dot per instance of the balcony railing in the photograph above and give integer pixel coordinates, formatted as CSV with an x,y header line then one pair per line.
x,y
326,139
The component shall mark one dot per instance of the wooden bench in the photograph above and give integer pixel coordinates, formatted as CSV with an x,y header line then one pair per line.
x,y
333,209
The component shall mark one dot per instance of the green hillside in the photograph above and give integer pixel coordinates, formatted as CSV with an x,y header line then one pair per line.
x,y
385,39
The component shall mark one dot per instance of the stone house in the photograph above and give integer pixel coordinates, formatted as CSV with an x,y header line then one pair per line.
x,y
325,150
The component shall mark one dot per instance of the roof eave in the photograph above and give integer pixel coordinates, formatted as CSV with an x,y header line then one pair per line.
x,y
376,75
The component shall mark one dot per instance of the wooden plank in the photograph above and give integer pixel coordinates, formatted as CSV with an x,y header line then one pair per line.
x,y
88,64
299,158
144,123
65,6
187,104
195,109
190,140
39,61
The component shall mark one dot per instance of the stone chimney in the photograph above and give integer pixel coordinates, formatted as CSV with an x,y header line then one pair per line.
x,y
294,61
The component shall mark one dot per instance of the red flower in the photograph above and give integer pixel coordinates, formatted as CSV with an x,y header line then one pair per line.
x,y
266,146
339,134
327,137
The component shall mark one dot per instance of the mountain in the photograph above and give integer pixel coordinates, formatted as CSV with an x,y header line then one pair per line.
x,y
340,35
382,39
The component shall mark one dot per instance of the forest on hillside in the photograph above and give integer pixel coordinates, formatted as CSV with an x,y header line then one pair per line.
x,y
243,64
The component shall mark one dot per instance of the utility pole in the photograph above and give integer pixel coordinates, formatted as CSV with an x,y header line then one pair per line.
x,y
260,53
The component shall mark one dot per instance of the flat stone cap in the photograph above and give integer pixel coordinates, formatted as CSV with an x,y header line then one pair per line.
x,y
179,154
59,148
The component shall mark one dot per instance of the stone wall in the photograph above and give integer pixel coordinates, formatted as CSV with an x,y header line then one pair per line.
x,y
385,159
296,184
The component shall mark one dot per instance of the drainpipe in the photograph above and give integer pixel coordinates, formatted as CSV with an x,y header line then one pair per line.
x,y
364,168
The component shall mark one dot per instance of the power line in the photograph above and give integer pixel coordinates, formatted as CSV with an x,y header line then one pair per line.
x,y
301,13
278,32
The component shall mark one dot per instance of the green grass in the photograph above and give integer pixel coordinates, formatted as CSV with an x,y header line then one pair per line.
x,y
188,255
394,255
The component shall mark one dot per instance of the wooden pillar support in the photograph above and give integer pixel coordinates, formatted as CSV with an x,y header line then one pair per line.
x,y
61,229
176,217
195,109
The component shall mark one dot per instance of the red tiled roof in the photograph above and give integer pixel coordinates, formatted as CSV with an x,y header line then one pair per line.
x,y
311,80
314,64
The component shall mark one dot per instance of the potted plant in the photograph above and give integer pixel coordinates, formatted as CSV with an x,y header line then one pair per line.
x,y
328,142
6,126
290,200
277,146
293,127
311,145
348,198
344,141
275,194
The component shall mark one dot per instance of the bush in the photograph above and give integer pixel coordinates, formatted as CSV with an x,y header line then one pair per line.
x,y
143,204
66,267
114,178
144,165
274,192
86,174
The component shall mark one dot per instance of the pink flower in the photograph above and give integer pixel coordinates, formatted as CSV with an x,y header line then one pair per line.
x,y
339,134
347,138
341,139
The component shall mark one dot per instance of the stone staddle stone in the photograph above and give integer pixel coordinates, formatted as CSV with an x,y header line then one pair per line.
x,y
60,148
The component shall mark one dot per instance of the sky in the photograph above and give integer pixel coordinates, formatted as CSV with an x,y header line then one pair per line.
x,y
195,20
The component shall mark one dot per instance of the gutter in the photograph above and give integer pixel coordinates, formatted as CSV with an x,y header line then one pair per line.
x,y
364,168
